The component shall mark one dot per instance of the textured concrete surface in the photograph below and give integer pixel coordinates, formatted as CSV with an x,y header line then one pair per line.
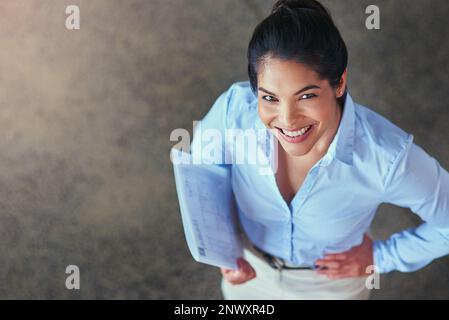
x,y
86,115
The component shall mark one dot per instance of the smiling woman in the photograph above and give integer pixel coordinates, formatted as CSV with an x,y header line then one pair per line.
x,y
304,121
305,227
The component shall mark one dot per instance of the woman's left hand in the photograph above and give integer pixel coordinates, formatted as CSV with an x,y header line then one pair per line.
x,y
349,264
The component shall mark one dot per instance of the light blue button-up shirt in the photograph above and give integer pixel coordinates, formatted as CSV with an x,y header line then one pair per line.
x,y
370,161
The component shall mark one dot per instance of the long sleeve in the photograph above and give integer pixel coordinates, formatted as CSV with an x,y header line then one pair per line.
x,y
208,145
418,182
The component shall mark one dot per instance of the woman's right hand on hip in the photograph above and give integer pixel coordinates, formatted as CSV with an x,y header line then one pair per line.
x,y
243,274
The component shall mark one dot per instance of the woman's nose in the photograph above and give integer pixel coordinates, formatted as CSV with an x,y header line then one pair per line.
x,y
287,115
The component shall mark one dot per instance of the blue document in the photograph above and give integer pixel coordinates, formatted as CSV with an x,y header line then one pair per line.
x,y
207,210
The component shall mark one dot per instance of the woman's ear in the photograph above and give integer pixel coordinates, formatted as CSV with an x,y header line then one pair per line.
x,y
342,85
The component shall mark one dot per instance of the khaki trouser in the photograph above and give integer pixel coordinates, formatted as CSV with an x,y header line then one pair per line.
x,y
271,284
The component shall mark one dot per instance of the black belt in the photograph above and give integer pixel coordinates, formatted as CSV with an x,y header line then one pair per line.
x,y
279,263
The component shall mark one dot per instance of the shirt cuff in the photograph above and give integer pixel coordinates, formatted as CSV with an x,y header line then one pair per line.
x,y
381,261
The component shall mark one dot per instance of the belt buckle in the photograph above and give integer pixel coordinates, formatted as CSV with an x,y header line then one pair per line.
x,y
279,263
274,262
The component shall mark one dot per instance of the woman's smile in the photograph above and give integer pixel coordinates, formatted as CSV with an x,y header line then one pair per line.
x,y
295,136
298,106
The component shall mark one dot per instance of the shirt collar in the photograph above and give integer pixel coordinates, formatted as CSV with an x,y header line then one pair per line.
x,y
342,146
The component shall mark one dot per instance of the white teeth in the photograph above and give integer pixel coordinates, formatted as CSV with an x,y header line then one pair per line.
x,y
296,133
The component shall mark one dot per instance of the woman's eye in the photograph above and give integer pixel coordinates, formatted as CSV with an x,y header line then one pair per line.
x,y
308,96
269,98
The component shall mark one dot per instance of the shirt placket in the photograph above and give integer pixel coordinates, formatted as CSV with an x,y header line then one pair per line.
x,y
298,201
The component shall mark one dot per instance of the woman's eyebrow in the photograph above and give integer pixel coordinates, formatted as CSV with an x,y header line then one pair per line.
x,y
312,86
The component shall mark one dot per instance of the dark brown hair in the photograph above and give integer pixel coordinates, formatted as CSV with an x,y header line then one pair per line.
x,y
303,31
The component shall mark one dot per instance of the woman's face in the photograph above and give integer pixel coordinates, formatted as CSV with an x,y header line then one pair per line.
x,y
297,106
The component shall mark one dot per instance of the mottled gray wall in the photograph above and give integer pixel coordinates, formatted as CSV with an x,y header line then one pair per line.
x,y
85,119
